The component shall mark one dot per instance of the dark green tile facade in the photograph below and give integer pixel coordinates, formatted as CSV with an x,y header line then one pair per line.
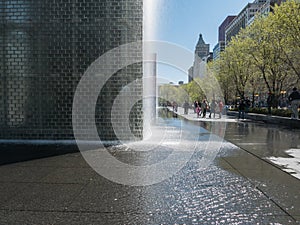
x,y
45,47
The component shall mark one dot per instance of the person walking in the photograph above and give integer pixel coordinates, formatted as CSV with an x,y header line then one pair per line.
x,y
242,109
175,106
213,106
294,98
270,100
186,107
247,104
196,104
221,106
198,110
203,108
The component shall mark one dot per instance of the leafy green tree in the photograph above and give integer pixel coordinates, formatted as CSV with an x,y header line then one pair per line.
x,y
224,80
265,49
285,25
263,57
210,84
237,65
167,93
194,90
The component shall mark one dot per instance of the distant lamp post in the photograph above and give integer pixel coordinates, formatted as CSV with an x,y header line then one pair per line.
x,y
283,102
257,99
283,92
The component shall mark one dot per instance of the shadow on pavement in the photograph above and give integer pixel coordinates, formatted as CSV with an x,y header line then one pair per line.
x,y
13,153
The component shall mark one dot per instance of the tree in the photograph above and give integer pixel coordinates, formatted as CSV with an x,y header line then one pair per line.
x,y
236,65
210,84
194,90
224,80
285,24
168,93
265,54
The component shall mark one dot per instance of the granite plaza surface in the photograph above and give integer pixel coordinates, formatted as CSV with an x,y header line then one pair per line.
x,y
239,187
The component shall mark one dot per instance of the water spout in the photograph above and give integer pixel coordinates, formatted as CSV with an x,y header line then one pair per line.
x,y
149,66
150,15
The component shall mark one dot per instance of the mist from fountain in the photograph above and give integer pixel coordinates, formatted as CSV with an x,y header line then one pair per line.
x,y
168,144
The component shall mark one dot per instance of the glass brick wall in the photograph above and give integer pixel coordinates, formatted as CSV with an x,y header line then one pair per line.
x,y
45,47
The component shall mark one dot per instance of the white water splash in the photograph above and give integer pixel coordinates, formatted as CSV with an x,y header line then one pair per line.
x,y
291,165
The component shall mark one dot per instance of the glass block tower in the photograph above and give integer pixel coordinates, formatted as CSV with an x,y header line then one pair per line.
x,y
45,48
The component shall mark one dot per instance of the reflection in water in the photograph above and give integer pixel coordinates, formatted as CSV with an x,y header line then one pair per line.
x,y
243,129
273,134
270,140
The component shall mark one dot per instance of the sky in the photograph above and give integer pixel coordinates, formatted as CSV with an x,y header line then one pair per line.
x,y
181,21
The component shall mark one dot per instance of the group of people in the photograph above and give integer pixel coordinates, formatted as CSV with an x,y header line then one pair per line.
x,y
217,106
294,99
214,107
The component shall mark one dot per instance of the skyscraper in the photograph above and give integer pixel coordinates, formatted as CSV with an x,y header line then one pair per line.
x,y
220,46
223,26
202,55
202,49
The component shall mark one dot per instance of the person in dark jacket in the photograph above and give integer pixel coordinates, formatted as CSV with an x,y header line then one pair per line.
x,y
270,100
204,106
186,107
294,98
241,108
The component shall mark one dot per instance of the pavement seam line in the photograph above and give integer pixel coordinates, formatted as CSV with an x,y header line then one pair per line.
x,y
266,161
257,188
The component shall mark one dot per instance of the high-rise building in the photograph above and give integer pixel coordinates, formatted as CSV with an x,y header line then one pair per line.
x,y
233,24
266,8
242,19
202,56
46,47
223,26
202,49
190,73
220,46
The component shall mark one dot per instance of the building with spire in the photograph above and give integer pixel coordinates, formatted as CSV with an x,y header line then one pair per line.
x,y
202,49
202,56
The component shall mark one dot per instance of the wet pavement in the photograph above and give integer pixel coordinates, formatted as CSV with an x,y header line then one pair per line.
x,y
239,186
261,142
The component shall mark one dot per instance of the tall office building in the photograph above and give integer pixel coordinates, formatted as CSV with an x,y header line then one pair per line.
x,y
46,46
242,19
220,46
223,26
247,16
201,49
202,55
267,7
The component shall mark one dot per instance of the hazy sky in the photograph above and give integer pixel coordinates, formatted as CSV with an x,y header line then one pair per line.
x,y
181,21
